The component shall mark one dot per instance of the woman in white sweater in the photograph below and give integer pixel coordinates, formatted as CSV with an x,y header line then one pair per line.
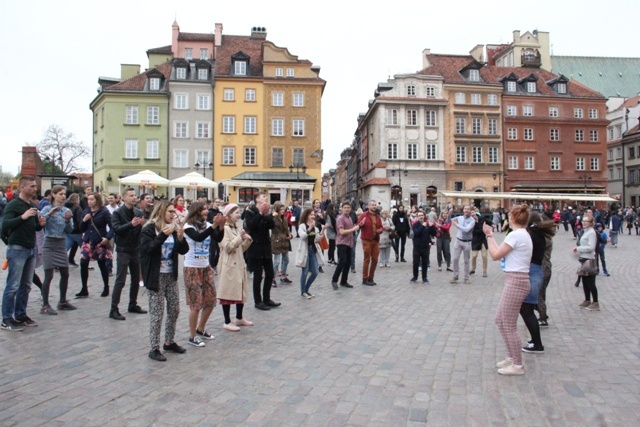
x,y
587,251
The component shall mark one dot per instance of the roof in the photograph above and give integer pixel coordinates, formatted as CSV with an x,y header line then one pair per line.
x,y
629,103
376,181
196,37
613,77
137,83
234,44
448,66
163,50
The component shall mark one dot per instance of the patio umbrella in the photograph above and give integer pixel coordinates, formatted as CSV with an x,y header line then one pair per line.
x,y
144,178
193,180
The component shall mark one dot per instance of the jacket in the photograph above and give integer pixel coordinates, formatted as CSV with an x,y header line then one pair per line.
x,y
151,254
385,240
101,219
232,267
279,242
258,226
401,222
422,234
127,236
366,231
303,246
76,210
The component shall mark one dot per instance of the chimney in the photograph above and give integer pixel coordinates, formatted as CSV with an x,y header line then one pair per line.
x,y
425,59
175,32
259,33
516,36
218,38
129,70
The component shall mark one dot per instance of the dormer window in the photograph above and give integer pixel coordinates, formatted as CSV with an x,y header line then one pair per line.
x,y
154,83
474,75
240,68
511,86
203,74
181,73
240,64
411,90
531,87
561,88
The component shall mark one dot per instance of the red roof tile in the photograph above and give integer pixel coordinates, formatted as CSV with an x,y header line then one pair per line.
x,y
196,37
376,181
234,44
137,83
163,49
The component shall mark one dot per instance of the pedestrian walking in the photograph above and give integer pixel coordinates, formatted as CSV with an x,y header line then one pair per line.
x,y
280,244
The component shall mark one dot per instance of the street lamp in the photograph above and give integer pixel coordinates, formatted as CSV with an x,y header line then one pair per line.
x,y
585,179
400,172
298,168
204,167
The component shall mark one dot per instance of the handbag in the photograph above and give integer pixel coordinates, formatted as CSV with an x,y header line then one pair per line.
x,y
324,243
393,234
587,267
108,244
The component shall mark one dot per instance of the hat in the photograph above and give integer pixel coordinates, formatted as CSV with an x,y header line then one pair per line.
x,y
228,208
598,224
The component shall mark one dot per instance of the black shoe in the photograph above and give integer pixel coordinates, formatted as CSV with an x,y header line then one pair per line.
x,y
413,280
397,259
175,348
449,269
72,264
425,280
320,270
403,260
83,294
334,285
346,285
262,306
272,303
137,309
472,272
156,355
105,292
543,323
368,282
115,314
372,282
531,348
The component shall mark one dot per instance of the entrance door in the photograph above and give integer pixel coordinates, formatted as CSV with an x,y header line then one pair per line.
x,y
274,197
414,199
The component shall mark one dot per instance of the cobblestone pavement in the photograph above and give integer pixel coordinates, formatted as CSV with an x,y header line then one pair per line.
x,y
390,355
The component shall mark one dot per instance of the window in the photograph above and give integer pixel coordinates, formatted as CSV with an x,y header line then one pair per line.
x,y
180,159
392,151
298,156
431,91
240,68
528,134
131,116
412,151
553,112
593,135
461,125
204,53
182,101
246,195
513,162
298,127
412,117
249,155
277,99
512,133
578,113
492,99
611,176
203,102
459,98
431,118
555,163
188,53
580,163
250,95
154,83
474,75
229,95
228,155
461,154
411,90
511,86
203,130
610,133
458,185
153,115
181,73
432,151
250,124
298,99
579,135
527,110
476,126
392,117
202,157
554,134
595,163
528,162
493,155
277,157
493,126
633,179
228,124
476,154
531,87
279,72
181,129
561,88
610,154
593,113
290,72
632,152
512,110
153,149
131,149
476,99
277,127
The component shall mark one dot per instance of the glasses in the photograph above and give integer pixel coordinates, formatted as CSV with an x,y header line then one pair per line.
x,y
172,212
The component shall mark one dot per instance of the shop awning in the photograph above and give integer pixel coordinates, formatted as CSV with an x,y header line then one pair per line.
x,y
581,197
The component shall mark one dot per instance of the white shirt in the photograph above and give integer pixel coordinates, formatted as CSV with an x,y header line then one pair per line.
x,y
198,255
519,259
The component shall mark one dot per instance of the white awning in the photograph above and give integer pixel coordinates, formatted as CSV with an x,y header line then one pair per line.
x,y
268,184
578,197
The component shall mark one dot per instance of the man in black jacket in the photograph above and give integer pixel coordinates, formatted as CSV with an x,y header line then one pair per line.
x,y
257,222
127,222
401,223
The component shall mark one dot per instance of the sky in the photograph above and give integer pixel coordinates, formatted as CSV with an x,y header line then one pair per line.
x,y
54,51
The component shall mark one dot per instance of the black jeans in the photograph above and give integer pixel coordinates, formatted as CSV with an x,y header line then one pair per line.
x,y
132,262
531,321
332,249
590,289
398,245
420,258
344,262
257,266
214,254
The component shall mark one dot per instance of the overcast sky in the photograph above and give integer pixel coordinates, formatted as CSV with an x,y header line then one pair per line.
x,y
54,51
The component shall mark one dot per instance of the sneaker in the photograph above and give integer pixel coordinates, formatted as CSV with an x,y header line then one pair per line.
x,y
425,280
381,265
484,274
47,309
11,326
454,280
66,305
311,295
274,284
156,355
532,348
543,323
334,285
242,322
26,321
584,304
196,341
413,280
449,269
205,334
175,348
467,281
512,370
287,281
306,295
230,327
606,273
439,268
504,363
472,272
594,306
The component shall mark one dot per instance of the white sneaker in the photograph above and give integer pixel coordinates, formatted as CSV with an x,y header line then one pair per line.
x,y
512,370
504,363
306,295
242,322
231,327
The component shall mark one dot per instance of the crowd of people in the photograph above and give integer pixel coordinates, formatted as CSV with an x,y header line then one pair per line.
x,y
146,237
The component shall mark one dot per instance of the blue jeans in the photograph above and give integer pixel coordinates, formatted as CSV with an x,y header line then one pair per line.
x,y
312,269
536,277
22,263
280,260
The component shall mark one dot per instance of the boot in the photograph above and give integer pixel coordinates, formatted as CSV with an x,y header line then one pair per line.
x,y
84,293
105,291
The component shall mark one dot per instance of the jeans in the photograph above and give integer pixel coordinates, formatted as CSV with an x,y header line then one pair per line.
x,y
310,269
22,263
353,250
385,254
600,259
614,237
458,250
443,250
280,263
420,259
257,266
132,262
344,257
73,242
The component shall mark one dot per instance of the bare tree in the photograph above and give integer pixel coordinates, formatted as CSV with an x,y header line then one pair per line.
x,y
61,150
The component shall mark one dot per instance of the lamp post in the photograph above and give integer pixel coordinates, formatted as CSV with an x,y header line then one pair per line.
x,y
204,167
299,168
585,179
400,172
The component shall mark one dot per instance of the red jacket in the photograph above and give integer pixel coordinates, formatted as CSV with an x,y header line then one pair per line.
x,y
366,229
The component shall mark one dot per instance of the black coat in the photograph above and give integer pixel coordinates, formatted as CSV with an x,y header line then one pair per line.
x,y
101,219
151,255
127,236
402,227
258,226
